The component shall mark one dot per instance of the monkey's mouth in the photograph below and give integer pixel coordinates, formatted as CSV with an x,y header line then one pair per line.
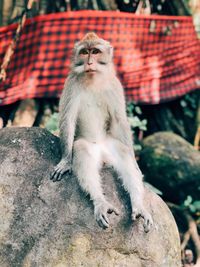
x,y
90,71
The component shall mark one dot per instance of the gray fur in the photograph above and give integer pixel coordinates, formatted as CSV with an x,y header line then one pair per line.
x,y
95,130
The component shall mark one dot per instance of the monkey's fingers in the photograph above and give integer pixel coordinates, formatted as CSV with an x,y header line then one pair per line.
x,y
57,174
58,177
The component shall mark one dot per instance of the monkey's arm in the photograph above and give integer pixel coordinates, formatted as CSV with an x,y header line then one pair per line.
x,y
69,105
120,128
67,137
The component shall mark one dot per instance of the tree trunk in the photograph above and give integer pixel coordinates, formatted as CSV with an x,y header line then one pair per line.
x,y
94,4
7,11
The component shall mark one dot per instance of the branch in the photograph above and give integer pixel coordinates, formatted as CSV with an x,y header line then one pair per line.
x,y
186,238
197,139
192,231
11,47
194,235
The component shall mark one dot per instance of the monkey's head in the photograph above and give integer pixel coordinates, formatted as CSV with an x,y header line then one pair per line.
x,y
92,55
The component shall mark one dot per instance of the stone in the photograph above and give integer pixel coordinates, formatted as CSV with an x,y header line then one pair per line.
x,y
46,224
171,164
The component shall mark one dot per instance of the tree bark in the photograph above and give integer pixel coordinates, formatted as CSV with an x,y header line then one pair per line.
x,y
7,11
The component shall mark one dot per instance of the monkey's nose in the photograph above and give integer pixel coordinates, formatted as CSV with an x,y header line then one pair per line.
x,y
89,63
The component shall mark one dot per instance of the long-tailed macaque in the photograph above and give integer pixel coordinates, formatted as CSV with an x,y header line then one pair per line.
x,y
94,129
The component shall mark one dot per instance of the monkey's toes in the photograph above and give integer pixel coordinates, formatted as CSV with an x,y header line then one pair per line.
x,y
113,210
103,221
148,222
101,214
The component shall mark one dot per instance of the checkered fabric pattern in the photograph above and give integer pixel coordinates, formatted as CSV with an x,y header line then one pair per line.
x,y
157,57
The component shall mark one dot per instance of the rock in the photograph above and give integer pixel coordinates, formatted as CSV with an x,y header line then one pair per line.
x,y
172,165
46,224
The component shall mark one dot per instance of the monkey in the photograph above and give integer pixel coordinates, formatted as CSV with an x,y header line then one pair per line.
x,y
94,129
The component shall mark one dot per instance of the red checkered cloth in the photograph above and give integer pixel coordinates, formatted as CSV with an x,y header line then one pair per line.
x,y
157,57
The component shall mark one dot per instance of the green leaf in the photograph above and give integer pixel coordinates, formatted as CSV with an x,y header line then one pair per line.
x,y
137,147
138,110
192,208
52,123
196,204
183,103
188,201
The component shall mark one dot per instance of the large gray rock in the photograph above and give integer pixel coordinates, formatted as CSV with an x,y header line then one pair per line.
x,y
46,224
172,165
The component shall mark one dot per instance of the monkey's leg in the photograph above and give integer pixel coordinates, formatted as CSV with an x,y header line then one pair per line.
x,y
86,165
131,176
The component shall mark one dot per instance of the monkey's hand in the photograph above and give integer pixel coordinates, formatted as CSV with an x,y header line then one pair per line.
x,y
64,166
101,210
141,212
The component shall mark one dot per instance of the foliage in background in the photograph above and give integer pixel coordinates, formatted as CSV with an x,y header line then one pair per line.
x,y
134,113
192,205
189,104
137,124
52,123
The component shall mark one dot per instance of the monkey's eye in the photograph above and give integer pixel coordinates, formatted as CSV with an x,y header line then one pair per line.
x,y
95,51
83,51
102,63
79,63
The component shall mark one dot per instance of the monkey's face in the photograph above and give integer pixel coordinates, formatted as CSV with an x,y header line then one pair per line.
x,y
92,58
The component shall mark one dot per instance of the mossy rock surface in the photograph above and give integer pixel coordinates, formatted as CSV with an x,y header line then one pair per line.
x,y
172,165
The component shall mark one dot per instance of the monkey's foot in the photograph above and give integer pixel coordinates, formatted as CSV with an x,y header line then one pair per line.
x,y
62,167
101,211
141,212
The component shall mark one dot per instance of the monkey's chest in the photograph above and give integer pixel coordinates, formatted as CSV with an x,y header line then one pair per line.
x,y
93,111
93,117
